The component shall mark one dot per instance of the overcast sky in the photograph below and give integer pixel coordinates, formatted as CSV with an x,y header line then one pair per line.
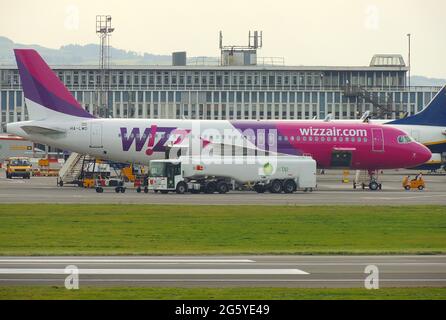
x,y
311,32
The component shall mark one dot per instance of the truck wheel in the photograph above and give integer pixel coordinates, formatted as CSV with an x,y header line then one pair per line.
x,y
276,186
122,189
146,190
117,189
407,188
181,188
222,187
99,190
211,187
289,186
138,189
60,183
421,188
259,189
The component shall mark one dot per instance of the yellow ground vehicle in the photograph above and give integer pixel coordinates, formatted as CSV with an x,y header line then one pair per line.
x,y
88,183
417,183
18,167
128,173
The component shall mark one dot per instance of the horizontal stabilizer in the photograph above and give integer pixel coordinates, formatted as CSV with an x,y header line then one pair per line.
x,y
41,130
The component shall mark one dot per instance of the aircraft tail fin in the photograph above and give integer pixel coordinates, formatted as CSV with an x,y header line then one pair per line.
x,y
433,115
46,96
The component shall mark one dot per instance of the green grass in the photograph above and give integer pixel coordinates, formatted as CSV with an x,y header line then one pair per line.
x,y
123,293
43,229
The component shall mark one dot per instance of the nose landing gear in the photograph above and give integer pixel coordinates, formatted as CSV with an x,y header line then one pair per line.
x,y
368,180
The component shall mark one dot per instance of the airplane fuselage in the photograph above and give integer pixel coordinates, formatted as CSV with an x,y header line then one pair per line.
x,y
332,145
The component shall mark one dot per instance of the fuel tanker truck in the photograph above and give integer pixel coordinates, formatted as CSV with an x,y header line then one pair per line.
x,y
275,174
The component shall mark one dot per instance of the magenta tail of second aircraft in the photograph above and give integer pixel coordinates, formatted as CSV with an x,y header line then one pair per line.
x,y
46,96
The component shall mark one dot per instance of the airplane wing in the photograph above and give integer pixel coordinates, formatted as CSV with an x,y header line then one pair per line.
x,y
41,130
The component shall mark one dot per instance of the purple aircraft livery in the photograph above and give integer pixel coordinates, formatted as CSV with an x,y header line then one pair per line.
x,y
57,119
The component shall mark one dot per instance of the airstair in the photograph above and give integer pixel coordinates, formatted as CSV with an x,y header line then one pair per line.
x,y
71,171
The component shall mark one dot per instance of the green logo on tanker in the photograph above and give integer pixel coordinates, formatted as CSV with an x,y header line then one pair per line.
x,y
268,169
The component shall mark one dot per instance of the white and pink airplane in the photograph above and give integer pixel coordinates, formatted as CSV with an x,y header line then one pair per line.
x,y
57,119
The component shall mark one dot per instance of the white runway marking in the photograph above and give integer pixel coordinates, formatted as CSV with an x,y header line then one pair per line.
x,y
228,280
161,271
130,260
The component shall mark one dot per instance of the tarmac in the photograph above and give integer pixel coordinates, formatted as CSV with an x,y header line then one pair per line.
x,y
229,271
330,191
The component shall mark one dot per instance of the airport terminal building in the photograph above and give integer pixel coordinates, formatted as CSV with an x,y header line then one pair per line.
x,y
231,90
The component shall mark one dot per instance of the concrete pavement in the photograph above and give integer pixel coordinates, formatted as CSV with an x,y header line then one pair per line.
x,y
228,271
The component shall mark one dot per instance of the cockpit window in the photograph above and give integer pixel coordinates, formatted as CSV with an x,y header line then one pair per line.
x,y
404,139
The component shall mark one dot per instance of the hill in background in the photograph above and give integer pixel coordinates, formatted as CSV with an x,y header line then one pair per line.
x,y
74,54
79,54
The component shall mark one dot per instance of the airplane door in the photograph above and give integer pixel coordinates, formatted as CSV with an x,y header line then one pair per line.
x,y
96,135
377,140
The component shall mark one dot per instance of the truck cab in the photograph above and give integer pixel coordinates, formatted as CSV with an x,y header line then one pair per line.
x,y
18,167
165,175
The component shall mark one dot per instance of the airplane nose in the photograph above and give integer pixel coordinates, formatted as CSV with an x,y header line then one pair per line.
x,y
422,155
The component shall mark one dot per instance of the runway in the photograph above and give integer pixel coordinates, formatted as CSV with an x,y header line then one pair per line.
x,y
330,191
228,271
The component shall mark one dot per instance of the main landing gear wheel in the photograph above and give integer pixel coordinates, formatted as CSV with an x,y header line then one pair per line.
x,y
373,186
